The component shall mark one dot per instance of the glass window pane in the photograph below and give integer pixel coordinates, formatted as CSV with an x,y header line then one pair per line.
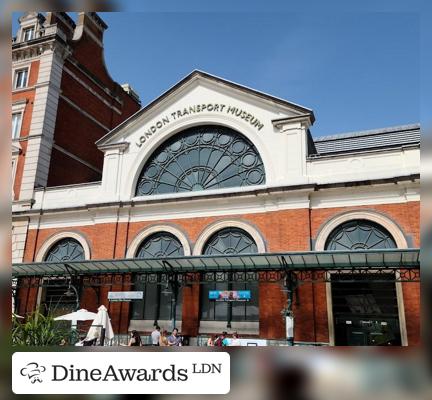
x,y
202,158
158,296
231,241
16,123
360,235
65,250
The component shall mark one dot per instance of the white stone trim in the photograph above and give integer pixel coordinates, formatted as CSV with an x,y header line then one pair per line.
x,y
401,243
41,254
138,239
215,227
18,67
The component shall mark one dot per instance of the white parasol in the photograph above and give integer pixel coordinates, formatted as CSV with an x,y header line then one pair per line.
x,y
80,315
102,320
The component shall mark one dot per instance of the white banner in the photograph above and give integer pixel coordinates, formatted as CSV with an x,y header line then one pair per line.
x,y
120,372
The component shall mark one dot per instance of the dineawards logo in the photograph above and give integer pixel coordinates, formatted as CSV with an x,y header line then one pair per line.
x,y
121,372
33,371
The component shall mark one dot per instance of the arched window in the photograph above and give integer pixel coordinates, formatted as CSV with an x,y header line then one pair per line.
x,y
159,245
156,303
57,298
67,249
365,312
230,241
359,235
201,158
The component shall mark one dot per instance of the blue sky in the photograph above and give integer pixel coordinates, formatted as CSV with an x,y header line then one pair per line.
x,y
355,70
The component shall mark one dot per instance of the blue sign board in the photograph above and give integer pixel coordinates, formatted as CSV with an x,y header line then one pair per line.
x,y
229,295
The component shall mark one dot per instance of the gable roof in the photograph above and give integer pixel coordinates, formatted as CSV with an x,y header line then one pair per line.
x,y
212,78
395,136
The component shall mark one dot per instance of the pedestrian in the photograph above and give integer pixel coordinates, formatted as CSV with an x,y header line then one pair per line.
x,y
155,336
211,340
135,339
219,342
163,340
235,341
174,339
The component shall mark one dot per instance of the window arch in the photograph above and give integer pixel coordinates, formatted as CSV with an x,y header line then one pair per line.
x,y
156,303
359,235
230,241
160,245
201,158
67,249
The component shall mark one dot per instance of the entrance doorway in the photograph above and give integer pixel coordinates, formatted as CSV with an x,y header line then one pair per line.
x,y
365,312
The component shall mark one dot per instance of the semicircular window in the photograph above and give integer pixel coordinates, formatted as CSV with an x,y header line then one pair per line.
x,y
359,235
160,245
201,158
230,241
65,250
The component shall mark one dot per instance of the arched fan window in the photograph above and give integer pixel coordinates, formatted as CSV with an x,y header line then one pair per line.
x,y
159,245
230,241
201,158
65,250
359,235
57,298
156,303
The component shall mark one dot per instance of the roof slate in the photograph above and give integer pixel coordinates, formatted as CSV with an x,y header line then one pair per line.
x,y
368,140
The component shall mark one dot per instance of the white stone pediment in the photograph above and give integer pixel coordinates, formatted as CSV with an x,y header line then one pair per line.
x,y
205,97
277,128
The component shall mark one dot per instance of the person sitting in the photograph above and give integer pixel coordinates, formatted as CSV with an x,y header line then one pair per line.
x,y
211,340
135,339
163,340
174,339
235,341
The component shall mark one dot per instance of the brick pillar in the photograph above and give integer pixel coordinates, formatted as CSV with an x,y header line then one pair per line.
x,y
411,299
271,302
191,309
320,310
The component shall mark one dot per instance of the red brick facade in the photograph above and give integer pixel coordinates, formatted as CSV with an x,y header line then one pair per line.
x,y
281,230
98,103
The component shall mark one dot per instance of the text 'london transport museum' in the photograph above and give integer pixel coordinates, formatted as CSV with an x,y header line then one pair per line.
x,y
211,209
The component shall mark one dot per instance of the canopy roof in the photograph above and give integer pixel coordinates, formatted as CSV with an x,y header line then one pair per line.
x,y
294,261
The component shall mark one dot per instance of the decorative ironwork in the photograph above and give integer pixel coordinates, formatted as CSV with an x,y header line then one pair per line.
x,y
65,250
202,158
160,245
360,235
230,241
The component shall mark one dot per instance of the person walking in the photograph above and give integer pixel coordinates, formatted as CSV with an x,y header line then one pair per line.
x,y
174,339
155,336
135,339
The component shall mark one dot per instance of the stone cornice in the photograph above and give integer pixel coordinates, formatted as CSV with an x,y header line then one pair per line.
x,y
34,49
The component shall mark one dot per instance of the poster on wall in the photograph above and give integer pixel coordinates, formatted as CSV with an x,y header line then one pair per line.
x,y
230,295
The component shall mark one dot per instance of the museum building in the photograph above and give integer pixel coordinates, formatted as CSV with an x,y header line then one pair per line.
x,y
214,186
